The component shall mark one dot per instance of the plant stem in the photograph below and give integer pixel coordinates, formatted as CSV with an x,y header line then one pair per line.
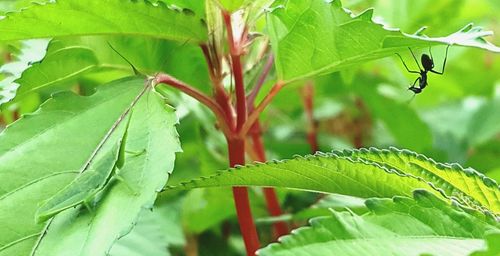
x,y
254,115
220,95
235,52
273,206
198,95
236,149
307,98
357,140
236,146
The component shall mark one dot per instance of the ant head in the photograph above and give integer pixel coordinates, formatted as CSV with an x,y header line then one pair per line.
x,y
427,62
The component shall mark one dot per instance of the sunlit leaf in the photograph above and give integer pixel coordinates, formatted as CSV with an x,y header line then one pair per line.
x,y
401,226
374,173
317,37
110,17
58,150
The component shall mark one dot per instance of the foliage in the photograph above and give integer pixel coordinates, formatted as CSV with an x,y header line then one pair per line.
x,y
89,135
399,226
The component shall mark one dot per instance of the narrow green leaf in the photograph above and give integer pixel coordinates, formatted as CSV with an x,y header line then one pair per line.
x,y
43,152
152,132
364,175
317,37
401,226
328,173
112,17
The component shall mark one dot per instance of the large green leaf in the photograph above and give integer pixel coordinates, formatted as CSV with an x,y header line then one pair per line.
x,y
401,226
112,17
152,141
463,184
365,175
316,37
66,134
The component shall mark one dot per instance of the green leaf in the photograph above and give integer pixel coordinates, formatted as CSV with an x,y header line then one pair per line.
x,y
58,66
357,174
318,37
493,245
146,238
60,139
67,60
31,51
152,132
58,149
206,208
111,17
463,184
401,226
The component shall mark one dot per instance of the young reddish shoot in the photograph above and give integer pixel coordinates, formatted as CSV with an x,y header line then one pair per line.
x,y
273,206
254,115
307,99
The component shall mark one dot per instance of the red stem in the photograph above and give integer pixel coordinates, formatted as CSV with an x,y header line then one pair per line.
x,y
235,52
236,148
273,206
236,145
254,115
357,140
198,95
241,105
307,97
220,94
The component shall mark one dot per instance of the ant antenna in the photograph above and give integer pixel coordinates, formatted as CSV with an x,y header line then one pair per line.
x,y
411,99
136,72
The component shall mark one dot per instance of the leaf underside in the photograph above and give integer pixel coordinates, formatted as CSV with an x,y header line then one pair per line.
x,y
312,37
109,17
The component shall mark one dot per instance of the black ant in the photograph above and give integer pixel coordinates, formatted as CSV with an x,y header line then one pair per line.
x,y
428,64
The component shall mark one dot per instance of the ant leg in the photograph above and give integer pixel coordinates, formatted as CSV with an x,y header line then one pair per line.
x,y
432,58
411,71
444,63
415,89
415,58
416,80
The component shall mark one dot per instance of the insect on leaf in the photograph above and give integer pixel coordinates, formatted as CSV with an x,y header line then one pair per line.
x,y
90,182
